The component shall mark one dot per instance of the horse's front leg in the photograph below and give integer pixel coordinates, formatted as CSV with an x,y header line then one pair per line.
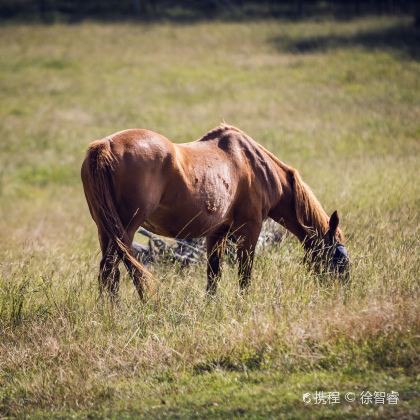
x,y
216,243
247,235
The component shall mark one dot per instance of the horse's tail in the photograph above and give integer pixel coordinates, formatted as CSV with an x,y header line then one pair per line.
x,y
98,182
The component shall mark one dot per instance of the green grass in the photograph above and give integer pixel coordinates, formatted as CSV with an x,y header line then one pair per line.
x,y
340,101
253,394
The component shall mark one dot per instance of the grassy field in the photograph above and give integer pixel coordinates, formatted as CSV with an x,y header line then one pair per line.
x,y
340,101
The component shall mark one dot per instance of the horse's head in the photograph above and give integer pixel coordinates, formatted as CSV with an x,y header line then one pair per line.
x,y
328,254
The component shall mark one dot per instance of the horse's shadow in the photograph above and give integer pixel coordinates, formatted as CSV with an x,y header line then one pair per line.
x,y
400,39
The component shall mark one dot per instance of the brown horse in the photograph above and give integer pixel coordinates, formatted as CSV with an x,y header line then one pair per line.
x,y
221,184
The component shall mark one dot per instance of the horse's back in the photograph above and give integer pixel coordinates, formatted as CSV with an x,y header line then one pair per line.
x,y
251,162
140,143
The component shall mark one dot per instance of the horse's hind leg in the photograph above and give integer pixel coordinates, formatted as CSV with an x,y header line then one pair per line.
x,y
247,235
109,273
136,276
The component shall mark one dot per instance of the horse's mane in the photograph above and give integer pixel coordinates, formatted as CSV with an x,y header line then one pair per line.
x,y
215,132
309,211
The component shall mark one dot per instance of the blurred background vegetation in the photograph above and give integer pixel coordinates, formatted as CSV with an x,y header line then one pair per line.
x,y
188,10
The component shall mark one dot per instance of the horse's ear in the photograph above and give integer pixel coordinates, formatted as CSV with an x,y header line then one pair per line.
x,y
333,224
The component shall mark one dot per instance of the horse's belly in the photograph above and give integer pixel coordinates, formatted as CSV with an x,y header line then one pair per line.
x,y
195,204
195,217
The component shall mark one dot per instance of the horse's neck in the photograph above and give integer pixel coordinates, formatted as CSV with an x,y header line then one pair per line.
x,y
299,211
